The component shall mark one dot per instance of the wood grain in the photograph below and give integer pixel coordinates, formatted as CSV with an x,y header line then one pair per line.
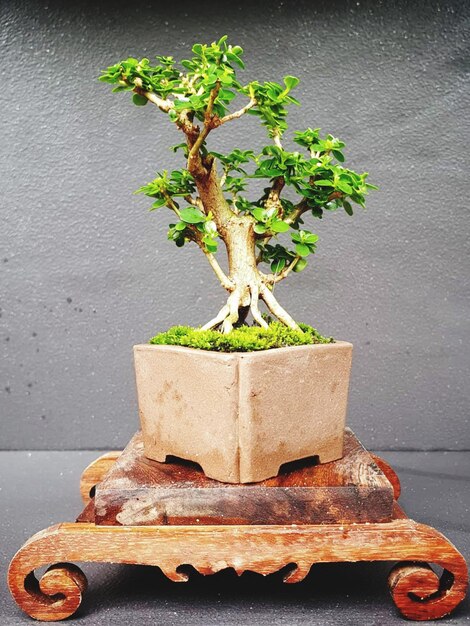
x,y
416,590
390,473
95,472
137,491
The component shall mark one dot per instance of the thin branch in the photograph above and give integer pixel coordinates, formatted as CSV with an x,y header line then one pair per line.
x,y
219,272
164,105
194,202
303,207
272,279
299,209
170,203
277,141
274,195
334,195
193,153
207,123
210,105
236,114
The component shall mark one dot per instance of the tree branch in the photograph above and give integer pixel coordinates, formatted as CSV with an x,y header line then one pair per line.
x,y
274,195
219,272
208,119
194,202
299,209
164,105
210,105
236,114
272,279
170,203
277,141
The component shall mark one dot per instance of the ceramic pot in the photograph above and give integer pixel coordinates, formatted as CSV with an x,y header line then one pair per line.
x,y
242,415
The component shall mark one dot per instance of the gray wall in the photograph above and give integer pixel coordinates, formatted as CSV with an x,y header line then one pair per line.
x,y
86,272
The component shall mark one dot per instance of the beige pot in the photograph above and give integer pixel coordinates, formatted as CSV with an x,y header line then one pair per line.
x,y
242,415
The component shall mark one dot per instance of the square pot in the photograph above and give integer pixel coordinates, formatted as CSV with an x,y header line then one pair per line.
x,y
242,415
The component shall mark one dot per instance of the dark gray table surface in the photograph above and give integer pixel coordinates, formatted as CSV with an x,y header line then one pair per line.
x,y
38,489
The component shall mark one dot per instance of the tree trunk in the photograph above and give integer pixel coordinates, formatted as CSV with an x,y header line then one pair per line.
x,y
248,284
246,281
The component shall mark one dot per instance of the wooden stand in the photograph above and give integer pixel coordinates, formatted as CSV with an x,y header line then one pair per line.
x,y
168,515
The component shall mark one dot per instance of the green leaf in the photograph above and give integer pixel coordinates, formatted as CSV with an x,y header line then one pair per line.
x,y
278,226
347,207
233,58
139,100
324,183
259,228
338,155
226,94
291,82
344,186
300,265
296,237
310,238
259,214
302,249
278,265
157,204
192,215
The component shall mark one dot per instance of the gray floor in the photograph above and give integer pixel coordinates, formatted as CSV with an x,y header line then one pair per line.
x,y
41,488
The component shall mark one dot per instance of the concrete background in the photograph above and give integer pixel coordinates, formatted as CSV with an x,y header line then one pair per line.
x,y
86,272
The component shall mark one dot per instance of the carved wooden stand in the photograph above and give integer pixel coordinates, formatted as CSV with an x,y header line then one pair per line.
x,y
345,489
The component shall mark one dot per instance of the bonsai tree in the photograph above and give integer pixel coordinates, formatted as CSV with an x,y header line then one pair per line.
x,y
207,196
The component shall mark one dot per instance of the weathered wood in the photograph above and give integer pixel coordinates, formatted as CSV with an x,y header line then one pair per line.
x,y
390,474
137,491
95,472
416,590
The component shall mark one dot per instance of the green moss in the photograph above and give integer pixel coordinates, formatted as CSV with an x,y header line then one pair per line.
x,y
241,339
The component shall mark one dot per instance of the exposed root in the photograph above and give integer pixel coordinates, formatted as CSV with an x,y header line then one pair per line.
x,y
233,303
256,313
276,309
229,314
218,319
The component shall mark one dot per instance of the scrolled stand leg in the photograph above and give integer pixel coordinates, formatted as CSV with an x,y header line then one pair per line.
x,y
417,590
419,593
57,594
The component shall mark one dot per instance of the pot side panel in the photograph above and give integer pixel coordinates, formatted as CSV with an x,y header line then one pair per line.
x,y
293,405
188,405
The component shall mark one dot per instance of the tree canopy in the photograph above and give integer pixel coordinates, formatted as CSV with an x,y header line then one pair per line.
x,y
203,93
